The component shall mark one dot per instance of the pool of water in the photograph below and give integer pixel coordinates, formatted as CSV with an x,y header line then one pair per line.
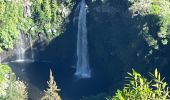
x,y
36,75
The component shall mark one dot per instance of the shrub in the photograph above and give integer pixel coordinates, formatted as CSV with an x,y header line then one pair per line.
x,y
10,89
139,88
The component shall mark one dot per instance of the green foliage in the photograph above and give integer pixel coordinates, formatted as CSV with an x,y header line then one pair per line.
x,y
146,11
43,18
139,88
10,89
52,92
47,17
140,7
156,9
4,72
4,69
17,90
9,19
46,8
54,9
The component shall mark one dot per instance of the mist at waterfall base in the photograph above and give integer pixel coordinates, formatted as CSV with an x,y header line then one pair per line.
x,y
21,48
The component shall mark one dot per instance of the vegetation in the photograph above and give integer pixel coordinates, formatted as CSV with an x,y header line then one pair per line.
x,y
10,88
10,14
46,18
139,88
4,71
17,90
32,17
153,20
52,92
110,43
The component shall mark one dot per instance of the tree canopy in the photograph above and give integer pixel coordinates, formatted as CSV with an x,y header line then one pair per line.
x,y
31,17
153,20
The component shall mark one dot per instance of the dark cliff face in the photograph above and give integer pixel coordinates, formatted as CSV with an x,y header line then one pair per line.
x,y
113,41
114,45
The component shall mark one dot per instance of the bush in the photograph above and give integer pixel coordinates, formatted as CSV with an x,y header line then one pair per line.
x,y
17,90
10,89
153,15
139,88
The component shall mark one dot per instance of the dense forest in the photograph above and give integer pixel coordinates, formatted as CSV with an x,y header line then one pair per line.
x,y
84,49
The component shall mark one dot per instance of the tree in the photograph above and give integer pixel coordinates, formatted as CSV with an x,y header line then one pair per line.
x,y
10,89
4,72
52,91
153,21
11,12
17,90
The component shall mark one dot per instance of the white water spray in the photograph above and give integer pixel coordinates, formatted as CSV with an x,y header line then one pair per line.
x,y
31,47
20,49
82,67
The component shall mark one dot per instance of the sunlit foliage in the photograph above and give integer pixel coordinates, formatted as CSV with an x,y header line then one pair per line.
x,y
10,88
4,72
52,91
154,20
11,11
32,17
140,88
48,17
17,90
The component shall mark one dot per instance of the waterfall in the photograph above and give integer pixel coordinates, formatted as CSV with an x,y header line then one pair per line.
x,y
23,44
31,47
20,48
82,67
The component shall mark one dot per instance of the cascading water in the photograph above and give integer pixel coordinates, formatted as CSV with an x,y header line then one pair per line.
x,y
22,45
82,67
31,47
20,49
